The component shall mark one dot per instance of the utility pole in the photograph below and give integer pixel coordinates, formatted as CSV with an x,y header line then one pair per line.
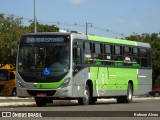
x,y
87,25
35,20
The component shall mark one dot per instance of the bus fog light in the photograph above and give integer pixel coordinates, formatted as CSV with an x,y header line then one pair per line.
x,y
66,82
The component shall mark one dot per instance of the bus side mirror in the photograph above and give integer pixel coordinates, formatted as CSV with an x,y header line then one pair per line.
x,y
12,75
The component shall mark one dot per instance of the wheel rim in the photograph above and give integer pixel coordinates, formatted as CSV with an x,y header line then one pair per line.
x,y
129,93
156,94
86,95
14,93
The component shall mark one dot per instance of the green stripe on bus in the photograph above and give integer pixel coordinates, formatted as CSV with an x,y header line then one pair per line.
x,y
111,40
119,64
136,65
53,85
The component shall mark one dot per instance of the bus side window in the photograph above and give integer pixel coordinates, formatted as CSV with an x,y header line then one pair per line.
x,y
87,53
108,57
118,58
118,53
127,56
98,53
3,76
144,57
135,57
77,60
101,56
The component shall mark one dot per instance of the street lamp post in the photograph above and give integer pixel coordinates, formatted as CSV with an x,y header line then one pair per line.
x,y
35,26
87,25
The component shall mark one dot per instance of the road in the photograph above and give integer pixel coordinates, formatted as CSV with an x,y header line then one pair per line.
x,y
103,109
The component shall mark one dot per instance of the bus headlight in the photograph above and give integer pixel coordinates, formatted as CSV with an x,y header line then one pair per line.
x,y
20,84
66,82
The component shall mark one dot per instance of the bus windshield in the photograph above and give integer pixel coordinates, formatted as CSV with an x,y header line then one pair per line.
x,y
3,75
43,58
48,60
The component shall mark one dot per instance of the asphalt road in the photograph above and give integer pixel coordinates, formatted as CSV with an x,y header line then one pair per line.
x,y
140,109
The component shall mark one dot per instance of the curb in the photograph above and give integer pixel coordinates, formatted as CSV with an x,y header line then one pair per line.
x,y
31,103
14,104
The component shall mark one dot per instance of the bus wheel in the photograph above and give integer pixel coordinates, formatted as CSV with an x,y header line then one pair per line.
x,y
129,94
128,98
40,102
14,92
85,100
49,100
156,94
93,100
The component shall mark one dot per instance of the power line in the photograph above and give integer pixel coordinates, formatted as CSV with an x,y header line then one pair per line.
x,y
58,23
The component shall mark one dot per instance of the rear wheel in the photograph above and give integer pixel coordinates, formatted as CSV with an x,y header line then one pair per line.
x,y
128,98
85,100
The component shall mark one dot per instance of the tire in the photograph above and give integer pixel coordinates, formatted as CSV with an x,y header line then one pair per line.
x,y
40,102
93,100
49,100
86,99
14,92
156,94
128,98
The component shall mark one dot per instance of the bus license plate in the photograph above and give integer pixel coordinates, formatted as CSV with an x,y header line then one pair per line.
x,y
41,95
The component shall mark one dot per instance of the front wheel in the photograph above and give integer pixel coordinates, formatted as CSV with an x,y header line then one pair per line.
x,y
14,92
85,100
40,102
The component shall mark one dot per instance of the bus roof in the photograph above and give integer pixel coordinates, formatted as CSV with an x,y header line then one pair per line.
x,y
47,33
93,38
118,41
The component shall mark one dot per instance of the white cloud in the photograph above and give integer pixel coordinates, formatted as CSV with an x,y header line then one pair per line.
x,y
78,2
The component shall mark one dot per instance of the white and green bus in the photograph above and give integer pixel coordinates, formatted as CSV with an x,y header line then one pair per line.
x,y
72,65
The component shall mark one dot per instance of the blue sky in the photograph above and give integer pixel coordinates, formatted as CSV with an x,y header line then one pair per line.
x,y
110,18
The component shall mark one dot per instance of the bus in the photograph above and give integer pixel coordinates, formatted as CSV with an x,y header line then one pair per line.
x,y
72,65
7,81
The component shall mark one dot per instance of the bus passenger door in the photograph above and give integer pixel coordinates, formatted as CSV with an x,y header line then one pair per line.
x,y
79,74
102,82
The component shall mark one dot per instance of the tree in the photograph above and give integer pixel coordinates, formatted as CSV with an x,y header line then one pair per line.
x,y
154,40
11,29
43,27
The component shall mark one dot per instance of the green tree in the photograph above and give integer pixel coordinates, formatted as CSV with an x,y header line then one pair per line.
x,y
154,40
11,29
43,27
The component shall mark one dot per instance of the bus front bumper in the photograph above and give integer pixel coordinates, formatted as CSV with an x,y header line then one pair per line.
x,y
55,93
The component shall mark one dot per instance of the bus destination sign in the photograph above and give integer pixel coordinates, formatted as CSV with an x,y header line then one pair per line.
x,y
44,40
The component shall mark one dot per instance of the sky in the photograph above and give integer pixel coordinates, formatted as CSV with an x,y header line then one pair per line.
x,y
109,18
